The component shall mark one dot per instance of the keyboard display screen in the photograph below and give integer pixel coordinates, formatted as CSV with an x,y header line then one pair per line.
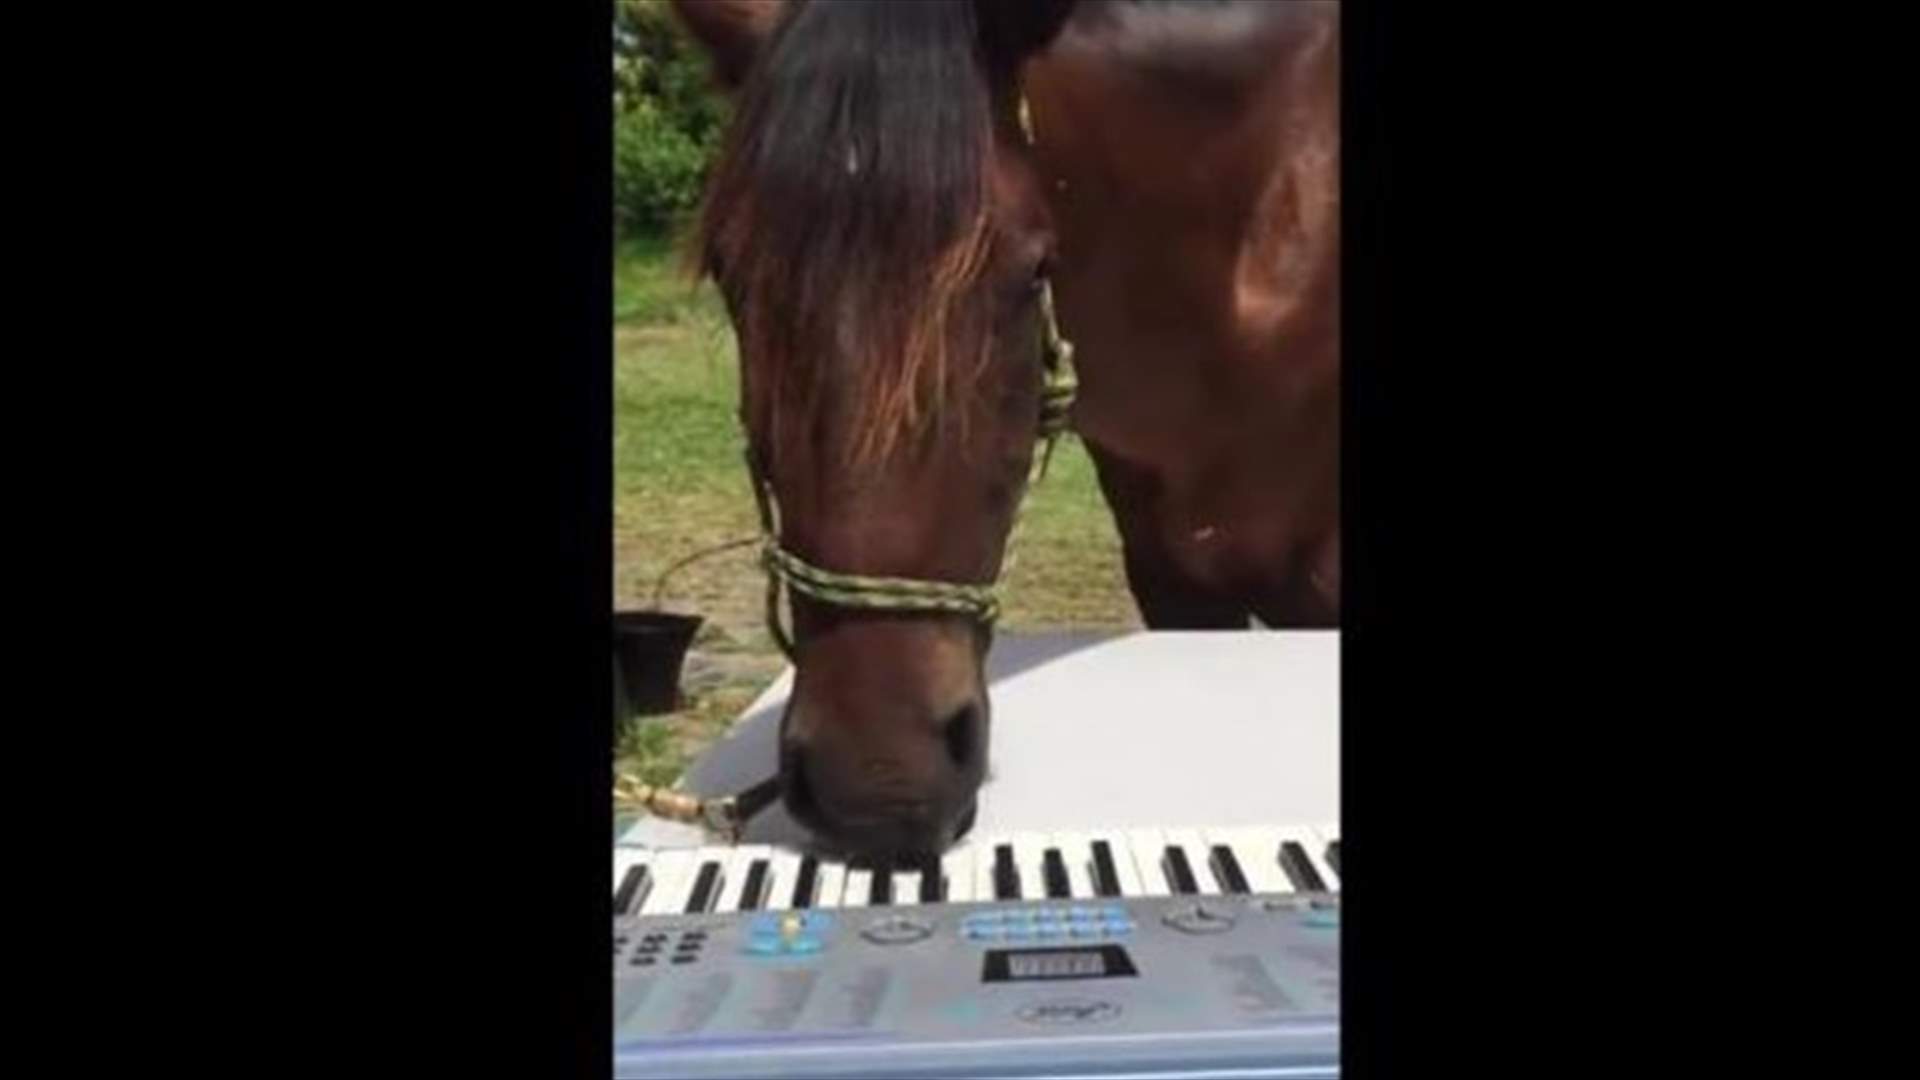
x,y
1023,965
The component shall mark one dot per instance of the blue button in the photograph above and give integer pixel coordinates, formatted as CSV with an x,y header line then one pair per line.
x,y
1321,920
804,945
1118,926
1052,930
1113,911
815,921
764,924
1017,932
1086,929
762,946
983,933
1081,913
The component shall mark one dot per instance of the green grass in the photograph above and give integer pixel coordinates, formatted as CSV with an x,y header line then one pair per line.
x,y
680,487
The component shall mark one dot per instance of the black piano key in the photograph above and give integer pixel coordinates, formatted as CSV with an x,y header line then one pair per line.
x,y
706,889
754,893
933,885
1179,874
634,886
806,883
1299,868
1333,856
1106,879
1226,870
1006,876
880,891
1054,869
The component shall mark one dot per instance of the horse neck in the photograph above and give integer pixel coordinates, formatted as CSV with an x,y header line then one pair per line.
x,y
1196,202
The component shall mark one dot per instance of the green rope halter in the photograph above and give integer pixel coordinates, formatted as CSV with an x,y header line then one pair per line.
x,y
874,593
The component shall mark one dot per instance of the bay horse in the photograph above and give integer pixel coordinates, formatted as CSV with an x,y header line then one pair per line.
x,y
909,194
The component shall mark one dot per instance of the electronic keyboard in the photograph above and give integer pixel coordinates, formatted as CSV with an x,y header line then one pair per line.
x,y
1164,953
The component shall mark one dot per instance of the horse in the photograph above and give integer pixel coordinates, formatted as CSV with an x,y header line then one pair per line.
x,y
916,207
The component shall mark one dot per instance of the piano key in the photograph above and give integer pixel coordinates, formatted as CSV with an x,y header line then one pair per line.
x,y
957,868
1326,853
624,858
1077,852
1029,856
880,885
1053,872
1192,845
859,886
1226,870
634,883
727,882
933,882
706,888
906,887
806,884
1124,868
1145,847
1106,872
673,871
783,867
979,851
1006,876
1180,879
740,877
1256,849
753,891
1299,867
833,885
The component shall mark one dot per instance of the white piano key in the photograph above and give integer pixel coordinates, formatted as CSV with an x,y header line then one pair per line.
x,y
1144,848
957,866
1194,844
1029,849
1121,848
983,866
673,872
833,883
1076,851
906,888
784,870
736,870
1257,849
859,881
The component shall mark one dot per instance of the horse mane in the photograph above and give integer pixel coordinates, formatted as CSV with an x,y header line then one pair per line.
x,y
846,215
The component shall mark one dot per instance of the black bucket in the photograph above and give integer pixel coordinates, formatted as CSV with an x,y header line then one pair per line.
x,y
650,647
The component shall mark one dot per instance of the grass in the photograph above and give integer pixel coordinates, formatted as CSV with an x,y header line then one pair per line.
x,y
680,487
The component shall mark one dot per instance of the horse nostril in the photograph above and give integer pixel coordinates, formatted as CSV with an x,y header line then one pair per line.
x,y
961,731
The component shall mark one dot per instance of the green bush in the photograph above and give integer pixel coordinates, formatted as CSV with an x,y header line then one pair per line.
x,y
657,171
668,119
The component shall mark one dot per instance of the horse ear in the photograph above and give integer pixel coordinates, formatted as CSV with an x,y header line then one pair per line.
x,y
1016,29
731,31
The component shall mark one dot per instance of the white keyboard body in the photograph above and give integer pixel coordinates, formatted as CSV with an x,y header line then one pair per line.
x,y
1144,742
1170,954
